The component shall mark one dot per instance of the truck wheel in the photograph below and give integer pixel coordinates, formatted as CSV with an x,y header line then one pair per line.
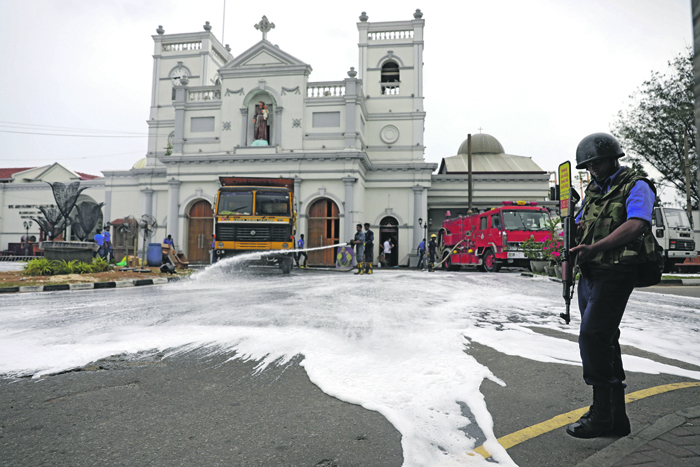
x,y
286,265
490,264
447,264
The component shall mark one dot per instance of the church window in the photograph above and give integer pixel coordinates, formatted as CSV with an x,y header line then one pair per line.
x,y
326,119
390,78
201,124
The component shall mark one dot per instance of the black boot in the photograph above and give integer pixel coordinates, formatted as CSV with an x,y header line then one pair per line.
x,y
599,418
621,425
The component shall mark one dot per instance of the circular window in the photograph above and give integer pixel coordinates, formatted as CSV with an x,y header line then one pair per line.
x,y
389,134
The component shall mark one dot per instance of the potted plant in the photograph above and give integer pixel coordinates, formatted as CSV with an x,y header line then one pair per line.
x,y
534,250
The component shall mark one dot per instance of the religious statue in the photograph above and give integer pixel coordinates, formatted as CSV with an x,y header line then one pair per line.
x,y
260,122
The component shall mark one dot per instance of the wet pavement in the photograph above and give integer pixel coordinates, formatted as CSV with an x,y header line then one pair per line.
x,y
207,374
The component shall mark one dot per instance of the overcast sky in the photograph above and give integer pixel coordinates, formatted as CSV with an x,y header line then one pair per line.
x,y
539,75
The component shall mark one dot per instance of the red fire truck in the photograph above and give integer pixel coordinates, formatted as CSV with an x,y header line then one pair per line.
x,y
494,238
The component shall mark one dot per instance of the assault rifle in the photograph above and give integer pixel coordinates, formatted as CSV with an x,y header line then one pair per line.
x,y
567,208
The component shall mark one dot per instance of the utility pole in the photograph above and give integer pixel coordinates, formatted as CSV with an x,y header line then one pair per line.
x,y
688,203
469,168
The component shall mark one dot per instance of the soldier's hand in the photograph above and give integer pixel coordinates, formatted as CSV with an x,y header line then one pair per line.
x,y
584,252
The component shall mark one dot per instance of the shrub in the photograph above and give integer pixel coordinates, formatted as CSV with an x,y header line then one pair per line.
x,y
100,265
40,267
64,267
83,268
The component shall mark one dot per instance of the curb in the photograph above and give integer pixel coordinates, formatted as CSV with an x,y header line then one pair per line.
x,y
89,285
627,445
683,282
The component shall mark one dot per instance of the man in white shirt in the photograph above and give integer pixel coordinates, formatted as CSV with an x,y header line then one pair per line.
x,y
388,245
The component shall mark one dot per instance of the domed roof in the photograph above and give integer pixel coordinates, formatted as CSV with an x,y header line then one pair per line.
x,y
482,144
141,163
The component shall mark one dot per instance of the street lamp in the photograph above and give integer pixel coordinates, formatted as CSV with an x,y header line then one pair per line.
x,y
27,224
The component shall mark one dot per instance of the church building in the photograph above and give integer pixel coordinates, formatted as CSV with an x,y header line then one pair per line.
x,y
354,146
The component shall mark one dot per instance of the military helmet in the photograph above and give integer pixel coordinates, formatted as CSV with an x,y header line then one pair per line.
x,y
597,146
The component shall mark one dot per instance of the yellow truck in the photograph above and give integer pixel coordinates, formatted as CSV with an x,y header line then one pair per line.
x,y
256,215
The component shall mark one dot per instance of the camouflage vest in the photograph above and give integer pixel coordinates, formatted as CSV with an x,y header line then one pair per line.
x,y
603,213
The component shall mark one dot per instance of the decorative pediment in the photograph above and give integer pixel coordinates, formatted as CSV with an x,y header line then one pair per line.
x,y
264,56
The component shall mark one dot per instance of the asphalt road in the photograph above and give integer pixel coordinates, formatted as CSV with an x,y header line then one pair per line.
x,y
191,410
207,410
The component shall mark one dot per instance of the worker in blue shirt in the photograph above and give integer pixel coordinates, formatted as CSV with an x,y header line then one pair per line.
x,y
300,245
614,217
421,254
169,241
99,240
107,244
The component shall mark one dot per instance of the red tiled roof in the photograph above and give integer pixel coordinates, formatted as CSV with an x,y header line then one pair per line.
x,y
87,176
7,173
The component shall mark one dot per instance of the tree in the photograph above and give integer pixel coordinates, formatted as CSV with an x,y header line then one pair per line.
x,y
654,126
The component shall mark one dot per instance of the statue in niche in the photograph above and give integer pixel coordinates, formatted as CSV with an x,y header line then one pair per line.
x,y
260,120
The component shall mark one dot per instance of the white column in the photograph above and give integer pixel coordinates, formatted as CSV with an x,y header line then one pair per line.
x,y
277,127
147,201
107,210
349,207
173,211
417,214
244,127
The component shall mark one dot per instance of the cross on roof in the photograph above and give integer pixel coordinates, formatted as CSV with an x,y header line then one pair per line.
x,y
479,129
265,26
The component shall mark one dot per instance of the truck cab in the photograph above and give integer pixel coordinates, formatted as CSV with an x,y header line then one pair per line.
x,y
255,215
672,230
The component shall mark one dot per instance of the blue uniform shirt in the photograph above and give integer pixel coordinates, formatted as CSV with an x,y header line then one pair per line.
x,y
421,245
107,237
99,239
300,244
640,202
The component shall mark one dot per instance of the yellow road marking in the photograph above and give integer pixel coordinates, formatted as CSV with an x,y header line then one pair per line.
x,y
508,441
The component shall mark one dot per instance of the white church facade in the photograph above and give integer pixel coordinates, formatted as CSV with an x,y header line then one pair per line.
x,y
354,147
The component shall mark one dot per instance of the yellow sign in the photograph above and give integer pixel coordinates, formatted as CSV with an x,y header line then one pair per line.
x,y
564,188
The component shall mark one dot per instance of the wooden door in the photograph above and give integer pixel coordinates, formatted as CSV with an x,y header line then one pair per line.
x,y
199,232
323,230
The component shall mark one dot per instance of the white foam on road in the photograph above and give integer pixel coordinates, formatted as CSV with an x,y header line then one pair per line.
x,y
394,342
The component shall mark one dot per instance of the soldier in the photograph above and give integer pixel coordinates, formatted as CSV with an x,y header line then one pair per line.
x,y
359,243
432,247
369,246
616,213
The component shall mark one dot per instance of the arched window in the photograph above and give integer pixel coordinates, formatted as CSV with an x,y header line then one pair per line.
x,y
390,78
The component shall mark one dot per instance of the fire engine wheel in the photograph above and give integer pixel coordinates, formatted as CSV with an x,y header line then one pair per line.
x,y
447,263
490,264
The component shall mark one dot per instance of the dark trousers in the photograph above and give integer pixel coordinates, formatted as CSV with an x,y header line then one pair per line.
x,y
602,298
421,254
297,257
369,253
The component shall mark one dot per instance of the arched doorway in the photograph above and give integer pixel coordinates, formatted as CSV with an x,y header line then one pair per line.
x,y
323,230
389,228
199,231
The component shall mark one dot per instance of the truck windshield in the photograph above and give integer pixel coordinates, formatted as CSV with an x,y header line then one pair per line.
x,y
235,203
271,203
525,220
677,218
